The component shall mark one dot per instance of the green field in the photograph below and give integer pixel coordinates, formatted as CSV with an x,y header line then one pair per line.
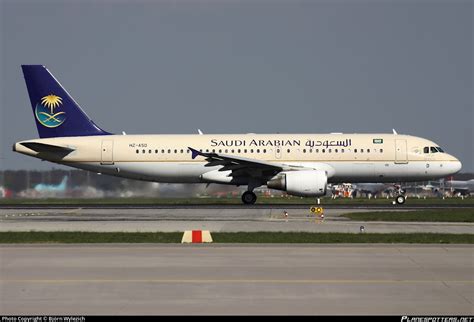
x,y
435,215
233,201
240,237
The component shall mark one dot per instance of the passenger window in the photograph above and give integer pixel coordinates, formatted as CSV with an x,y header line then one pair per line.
x,y
304,150
238,151
162,151
355,150
226,150
288,150
143,151
381,150
181,150
169,150
258,150
220,151
264,150
361,150
138,151
329,150
317,151
207,150
368,150
335,150
156,151
245,150
323,150
232,151
251,150
342,150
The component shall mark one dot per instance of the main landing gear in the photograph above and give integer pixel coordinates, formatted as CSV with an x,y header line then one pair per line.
x,y
249,198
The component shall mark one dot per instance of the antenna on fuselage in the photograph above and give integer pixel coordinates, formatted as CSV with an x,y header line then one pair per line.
x,y
200,132
394,132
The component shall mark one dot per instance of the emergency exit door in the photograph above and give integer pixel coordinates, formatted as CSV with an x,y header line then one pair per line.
x,y
107,152
401,151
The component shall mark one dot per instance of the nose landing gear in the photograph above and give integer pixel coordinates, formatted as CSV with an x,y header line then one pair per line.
x,y
400,200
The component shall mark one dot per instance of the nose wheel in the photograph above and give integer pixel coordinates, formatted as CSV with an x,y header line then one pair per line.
x,y
249,198
400,200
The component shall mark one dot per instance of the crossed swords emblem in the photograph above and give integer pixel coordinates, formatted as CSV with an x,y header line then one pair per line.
x,y
52,116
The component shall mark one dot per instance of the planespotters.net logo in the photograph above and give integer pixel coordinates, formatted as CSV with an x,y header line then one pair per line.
x,y
437,319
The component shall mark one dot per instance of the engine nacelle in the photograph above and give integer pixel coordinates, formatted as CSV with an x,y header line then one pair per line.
x,y
304,183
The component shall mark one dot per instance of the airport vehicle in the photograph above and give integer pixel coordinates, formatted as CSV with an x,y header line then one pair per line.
x,y
300,164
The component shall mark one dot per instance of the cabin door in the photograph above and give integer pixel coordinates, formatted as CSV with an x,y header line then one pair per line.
x,y
107,152
401,151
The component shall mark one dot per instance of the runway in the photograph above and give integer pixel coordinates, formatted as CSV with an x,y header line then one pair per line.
x,y
217,219
373,206
253,279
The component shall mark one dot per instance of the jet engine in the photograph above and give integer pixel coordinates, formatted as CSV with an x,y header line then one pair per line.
x,y
303,183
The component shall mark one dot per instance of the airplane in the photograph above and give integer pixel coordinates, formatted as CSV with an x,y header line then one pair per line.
x,y
300,164
371,188
61,187
460,187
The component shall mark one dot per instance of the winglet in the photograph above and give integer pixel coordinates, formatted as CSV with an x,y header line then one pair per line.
x,y
194,153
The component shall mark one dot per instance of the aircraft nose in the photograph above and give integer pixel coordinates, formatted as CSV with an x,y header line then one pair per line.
x,y
455,166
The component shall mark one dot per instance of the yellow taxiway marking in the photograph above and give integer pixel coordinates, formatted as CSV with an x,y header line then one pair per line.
x,y
218,281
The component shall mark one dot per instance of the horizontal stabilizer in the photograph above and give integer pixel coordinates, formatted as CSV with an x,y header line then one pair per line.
x,y
42,147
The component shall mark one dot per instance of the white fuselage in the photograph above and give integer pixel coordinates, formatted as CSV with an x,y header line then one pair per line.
x,y
166,158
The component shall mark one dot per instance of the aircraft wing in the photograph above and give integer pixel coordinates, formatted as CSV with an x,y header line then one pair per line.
x,y
242,166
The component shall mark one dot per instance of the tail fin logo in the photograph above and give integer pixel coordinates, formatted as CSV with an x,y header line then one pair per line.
x,y
46,111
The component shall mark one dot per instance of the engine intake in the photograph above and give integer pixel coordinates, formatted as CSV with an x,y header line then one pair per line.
x,y
304,183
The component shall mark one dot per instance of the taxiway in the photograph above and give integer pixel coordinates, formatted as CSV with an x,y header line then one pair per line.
x,y
216,219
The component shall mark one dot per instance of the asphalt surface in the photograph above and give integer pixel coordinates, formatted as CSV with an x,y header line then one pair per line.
x,y
387,206
221,219
252,279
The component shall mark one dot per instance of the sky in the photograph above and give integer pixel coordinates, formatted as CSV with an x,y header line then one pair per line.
x,y
158,67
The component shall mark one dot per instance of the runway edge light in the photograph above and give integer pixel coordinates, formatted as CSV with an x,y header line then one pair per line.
x,y
196,236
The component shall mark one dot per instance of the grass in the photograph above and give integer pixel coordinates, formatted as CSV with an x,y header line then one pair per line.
x,y
239,237
79,237
230,201
435,215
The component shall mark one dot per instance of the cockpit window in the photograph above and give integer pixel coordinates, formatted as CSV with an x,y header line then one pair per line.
x,y
439,149
426,149
433,150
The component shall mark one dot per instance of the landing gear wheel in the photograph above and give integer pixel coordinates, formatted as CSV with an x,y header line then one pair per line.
x,y
249,198
400,200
